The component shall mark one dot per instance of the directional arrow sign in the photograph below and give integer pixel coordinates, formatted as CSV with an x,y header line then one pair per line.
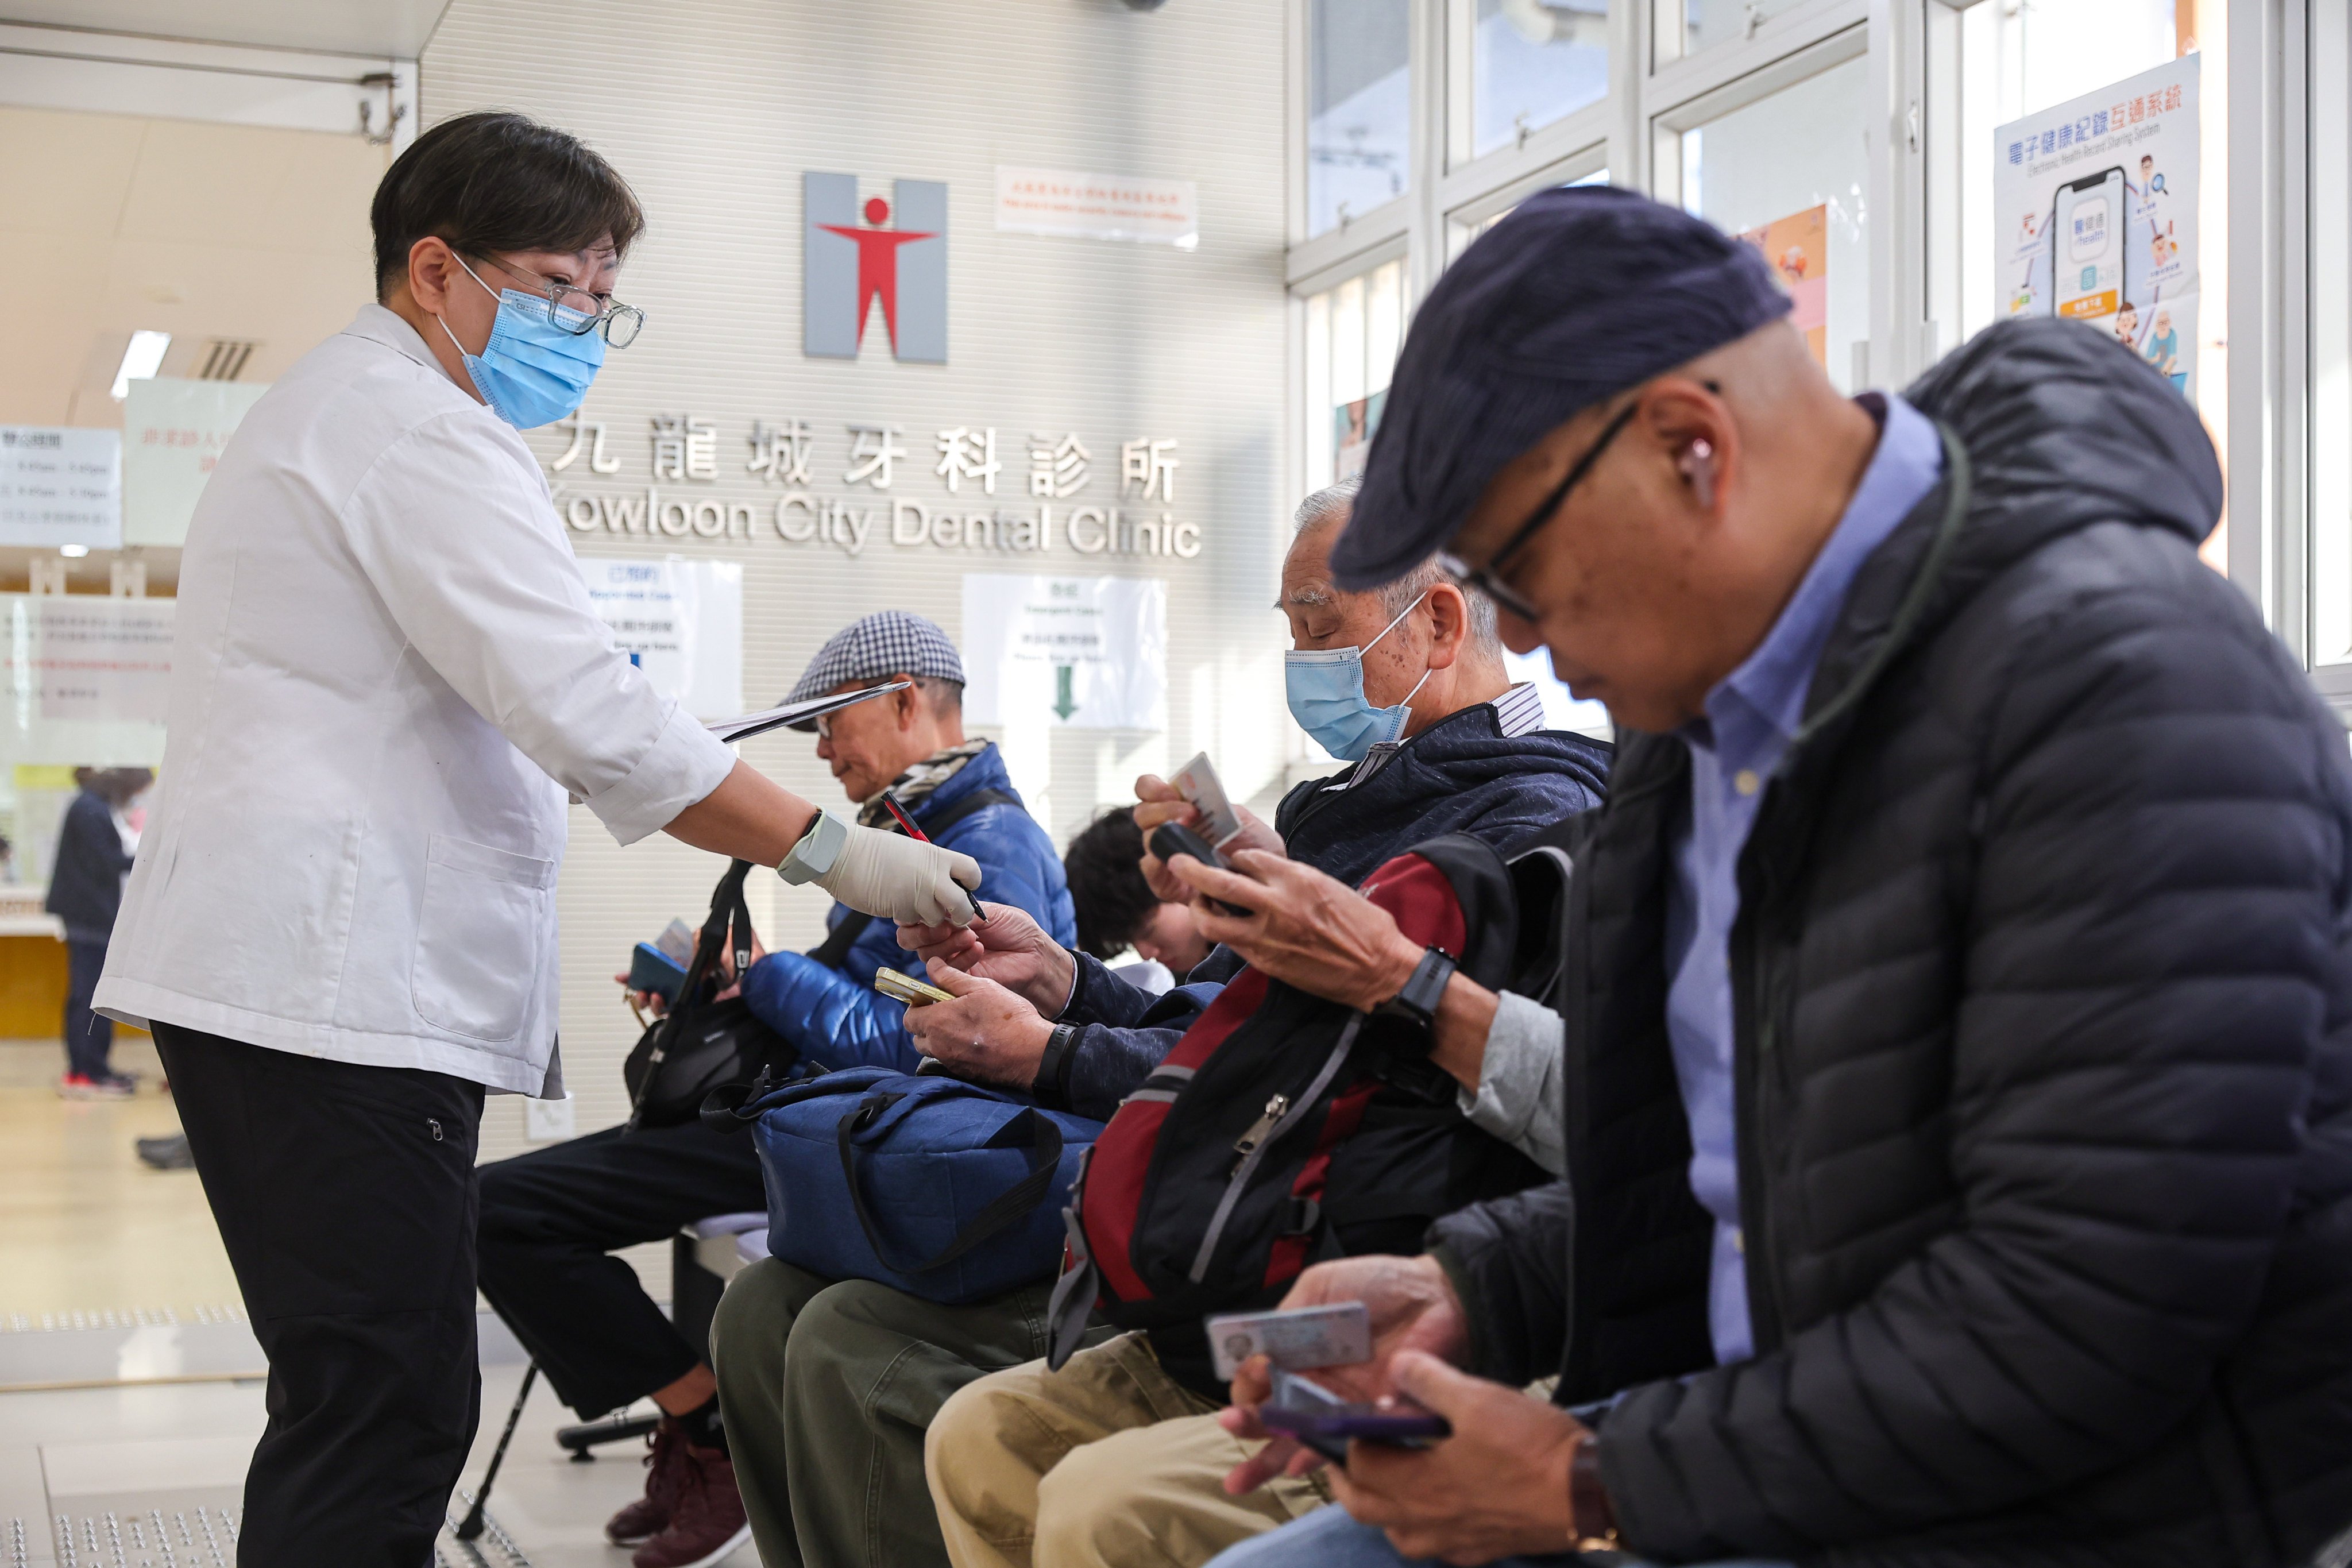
x,y
1064,704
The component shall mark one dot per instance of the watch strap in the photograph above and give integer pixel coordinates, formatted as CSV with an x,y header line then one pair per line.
x,y
1592,1518
817,850
1049,1088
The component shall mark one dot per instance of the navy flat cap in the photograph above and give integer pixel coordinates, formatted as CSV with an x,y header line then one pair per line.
x,y
888,642
1580,293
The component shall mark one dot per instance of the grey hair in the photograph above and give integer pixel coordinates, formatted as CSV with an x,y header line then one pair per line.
x,y
1331,504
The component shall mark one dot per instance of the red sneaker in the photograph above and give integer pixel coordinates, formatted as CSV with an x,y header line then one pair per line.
x,y
665,1478
708,1523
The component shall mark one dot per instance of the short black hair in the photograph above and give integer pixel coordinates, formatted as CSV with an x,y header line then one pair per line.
x,y
1104,865
497,181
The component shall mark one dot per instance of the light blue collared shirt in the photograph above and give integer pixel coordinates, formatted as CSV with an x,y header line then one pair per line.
x,y
1751,716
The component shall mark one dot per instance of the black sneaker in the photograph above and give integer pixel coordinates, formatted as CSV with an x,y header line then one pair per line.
x,y
167,1153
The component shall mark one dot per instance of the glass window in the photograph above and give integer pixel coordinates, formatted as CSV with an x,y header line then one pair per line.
x,y
1462,234
1360,107
1787,174
2330,411
1532,62
1353,333
1706,22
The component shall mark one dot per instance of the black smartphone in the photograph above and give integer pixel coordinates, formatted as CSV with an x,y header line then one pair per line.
x,y
1319,1420
1170,840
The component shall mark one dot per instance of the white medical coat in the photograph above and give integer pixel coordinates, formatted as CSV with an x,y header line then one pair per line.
x,y
387,676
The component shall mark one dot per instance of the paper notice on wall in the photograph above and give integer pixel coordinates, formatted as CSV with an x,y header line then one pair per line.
x,y
1352,424
1098,207
60,486
681,621
2095,205
173,433
1797,250
89,657
1089,652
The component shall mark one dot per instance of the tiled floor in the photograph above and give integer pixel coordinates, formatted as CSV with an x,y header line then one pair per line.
x,y
111,1271
165,1462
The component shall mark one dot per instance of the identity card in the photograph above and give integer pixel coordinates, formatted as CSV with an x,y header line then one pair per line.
x,y
1338,1334
1198,783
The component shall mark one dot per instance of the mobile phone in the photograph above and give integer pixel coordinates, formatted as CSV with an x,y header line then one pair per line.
x,y
1322,1421
1170,840
2087,246
652,969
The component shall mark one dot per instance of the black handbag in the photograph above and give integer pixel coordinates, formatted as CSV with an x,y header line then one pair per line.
x,y
700,1045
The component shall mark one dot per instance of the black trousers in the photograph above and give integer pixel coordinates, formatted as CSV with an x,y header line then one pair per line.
x,y
345,1195
88,1038
551,1218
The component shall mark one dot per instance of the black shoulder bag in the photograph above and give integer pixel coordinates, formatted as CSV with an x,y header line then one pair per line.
x,y
699,1044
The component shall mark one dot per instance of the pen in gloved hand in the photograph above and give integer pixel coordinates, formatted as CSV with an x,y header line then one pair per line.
x,y
919,836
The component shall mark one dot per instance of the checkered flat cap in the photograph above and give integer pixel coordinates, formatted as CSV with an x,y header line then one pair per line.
x,y
888,642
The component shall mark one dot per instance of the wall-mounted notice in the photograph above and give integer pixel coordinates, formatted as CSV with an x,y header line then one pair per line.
x,y
91,658
174,432
2094,208
1087,652
1797,248
1098,207
682,620
60,486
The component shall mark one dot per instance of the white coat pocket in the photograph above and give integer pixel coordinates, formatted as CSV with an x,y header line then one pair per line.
x,y
477,937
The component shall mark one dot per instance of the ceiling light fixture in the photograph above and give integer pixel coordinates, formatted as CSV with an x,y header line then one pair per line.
x,y
140,360
73,551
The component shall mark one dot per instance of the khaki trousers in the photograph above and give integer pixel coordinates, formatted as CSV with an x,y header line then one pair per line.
x,y
1108,1463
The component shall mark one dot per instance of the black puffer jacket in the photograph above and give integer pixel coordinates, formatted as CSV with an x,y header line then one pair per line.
x,y
2044,1050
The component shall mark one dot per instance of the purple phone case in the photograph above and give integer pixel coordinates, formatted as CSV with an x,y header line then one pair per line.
x,y
1338,1423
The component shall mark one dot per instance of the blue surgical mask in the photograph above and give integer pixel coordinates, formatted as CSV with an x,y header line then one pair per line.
x,y
1326,687
532,371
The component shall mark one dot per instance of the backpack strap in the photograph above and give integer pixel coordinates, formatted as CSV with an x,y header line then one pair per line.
x,y
1006,1210
834,950
728,910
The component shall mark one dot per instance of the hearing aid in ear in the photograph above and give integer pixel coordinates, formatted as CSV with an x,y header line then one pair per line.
x,y
1697,465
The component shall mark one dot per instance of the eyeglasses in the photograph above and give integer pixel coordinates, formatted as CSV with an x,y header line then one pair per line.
x,y
1487,579
578,311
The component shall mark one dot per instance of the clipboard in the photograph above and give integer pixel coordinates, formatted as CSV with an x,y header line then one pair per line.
x,y
750,725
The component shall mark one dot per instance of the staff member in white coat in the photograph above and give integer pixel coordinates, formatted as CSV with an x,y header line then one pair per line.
x,y
387,676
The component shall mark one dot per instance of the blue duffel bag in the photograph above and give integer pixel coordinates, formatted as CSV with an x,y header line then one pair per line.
x,y
943,1189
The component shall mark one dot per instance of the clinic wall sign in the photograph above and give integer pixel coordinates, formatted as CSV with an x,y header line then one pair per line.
x,y
857,485
887,254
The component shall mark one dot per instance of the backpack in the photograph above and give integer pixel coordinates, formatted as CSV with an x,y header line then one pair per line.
x,y
1284,1130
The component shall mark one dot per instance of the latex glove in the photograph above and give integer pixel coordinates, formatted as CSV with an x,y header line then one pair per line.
x,y
900,878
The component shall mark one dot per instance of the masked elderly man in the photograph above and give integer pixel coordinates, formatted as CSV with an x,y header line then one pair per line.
x,y
551,1219
827,1387
1960,1112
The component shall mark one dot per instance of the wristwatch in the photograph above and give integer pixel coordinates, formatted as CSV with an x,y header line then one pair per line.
x,y
819,848
1592,1518
1417,1003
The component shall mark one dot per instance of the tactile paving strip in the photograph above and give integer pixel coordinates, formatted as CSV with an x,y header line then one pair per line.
x,y
185,1538
494,1548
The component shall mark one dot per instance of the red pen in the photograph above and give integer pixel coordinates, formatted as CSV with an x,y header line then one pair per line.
x,y
919,836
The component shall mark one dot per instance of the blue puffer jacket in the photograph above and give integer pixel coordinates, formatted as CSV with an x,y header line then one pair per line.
x,y
834,1016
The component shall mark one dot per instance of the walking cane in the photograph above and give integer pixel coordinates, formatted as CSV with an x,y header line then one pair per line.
x,y
470,1527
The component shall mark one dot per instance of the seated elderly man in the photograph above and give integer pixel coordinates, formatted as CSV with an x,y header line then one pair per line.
x,y
1961,1143
549,1218
827,1387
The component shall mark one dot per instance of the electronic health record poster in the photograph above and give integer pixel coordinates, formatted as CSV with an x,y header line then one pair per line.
x,y
2095,205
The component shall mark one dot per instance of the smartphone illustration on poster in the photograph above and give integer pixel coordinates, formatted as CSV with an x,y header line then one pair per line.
x,y
2087,243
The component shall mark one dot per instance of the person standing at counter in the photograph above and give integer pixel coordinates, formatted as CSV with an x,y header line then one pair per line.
x,y
84,892
386,679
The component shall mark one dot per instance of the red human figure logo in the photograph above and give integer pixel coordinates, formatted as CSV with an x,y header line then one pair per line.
x,y
877,264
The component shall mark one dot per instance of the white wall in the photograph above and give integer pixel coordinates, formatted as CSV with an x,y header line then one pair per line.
x,y
714,111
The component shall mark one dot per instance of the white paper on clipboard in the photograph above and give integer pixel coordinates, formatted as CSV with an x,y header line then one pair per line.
x,y
760,723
